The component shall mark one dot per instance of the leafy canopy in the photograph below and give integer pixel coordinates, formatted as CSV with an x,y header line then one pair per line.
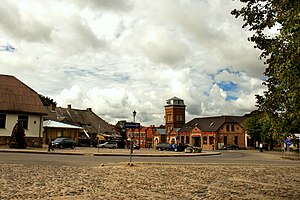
x,y
47,101
282,54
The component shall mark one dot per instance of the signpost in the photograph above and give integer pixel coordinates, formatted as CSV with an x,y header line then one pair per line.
x,y
132,125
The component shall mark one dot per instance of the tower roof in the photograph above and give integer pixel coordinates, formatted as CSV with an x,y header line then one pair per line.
x,y
175,101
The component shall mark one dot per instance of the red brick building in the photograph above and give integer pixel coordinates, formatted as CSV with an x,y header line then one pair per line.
x,y
214,132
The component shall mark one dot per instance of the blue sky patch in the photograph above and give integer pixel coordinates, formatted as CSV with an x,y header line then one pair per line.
x,y
231,98
227,85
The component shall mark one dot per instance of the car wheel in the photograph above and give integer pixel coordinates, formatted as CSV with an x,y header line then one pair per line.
x,y
114,147
176,149
73,146
61,146
159,149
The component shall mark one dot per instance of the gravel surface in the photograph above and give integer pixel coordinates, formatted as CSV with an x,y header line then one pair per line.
x,y
150,181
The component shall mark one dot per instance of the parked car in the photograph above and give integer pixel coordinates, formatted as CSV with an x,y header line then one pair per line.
x,y
111,145
163,146
180,147
63,143
230,147
192,149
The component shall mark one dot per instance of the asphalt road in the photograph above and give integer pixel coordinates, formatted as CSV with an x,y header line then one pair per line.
x,y
227,157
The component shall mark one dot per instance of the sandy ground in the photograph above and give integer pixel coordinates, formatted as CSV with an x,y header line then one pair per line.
x,y
150,181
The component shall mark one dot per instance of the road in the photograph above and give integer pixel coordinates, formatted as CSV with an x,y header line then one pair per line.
x,y
227,157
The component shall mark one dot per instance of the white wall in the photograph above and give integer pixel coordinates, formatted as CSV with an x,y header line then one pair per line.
x,y
34,125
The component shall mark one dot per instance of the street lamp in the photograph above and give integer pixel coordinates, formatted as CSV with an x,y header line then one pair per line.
x,y
134,114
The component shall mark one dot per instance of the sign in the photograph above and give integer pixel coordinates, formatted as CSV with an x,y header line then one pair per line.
x,y
288,142
132,125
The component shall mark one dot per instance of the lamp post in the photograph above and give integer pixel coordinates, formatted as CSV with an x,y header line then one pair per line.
x,y
131,138
134,114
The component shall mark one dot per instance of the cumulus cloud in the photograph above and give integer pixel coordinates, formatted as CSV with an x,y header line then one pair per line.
x,y
18,22
119,56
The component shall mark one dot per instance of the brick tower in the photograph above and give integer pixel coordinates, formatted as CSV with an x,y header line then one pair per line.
x,y
174,114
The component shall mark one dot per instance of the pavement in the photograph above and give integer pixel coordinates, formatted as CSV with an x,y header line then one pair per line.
x,y
93,151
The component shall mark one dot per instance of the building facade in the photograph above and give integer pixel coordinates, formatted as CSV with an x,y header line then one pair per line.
x,y
18,102
174,114
214,132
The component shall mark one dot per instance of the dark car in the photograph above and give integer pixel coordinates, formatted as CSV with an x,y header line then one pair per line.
x,y
230,147
180,147
163,146
63,143
177,147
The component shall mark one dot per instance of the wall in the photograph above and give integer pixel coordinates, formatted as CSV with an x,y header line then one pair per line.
x,y
32,133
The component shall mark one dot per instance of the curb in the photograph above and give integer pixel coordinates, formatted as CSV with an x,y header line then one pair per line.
x,y
41,152
159,155
111,154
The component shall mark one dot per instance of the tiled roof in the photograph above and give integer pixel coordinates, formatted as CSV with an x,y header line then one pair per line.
x,y
211,124
17,97
87,119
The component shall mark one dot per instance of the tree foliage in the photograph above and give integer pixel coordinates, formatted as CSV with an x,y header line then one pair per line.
x,y
282,54
47,101
257,125
17,139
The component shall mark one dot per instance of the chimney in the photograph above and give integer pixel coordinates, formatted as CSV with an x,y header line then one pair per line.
x,y
89,109
52,106
69,106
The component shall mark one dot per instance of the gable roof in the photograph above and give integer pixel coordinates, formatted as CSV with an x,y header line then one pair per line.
x,y
161,131
17,97
211,124
86,119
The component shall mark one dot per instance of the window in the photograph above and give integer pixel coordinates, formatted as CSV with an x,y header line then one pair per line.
x,y
236,140
232,128
169,118
205,140
2,120
227,128
177,118
182,139
211,139
225,140
24,121
180,118
187,139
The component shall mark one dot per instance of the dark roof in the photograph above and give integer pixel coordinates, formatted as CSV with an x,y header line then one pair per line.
x,y
211,124
175,98
17,97
87,119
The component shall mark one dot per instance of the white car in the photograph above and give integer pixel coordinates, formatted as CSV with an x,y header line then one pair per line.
x,y
111,145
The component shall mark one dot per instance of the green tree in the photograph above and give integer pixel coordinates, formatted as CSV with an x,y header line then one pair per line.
x,y
258,126
281,52
47,100
17,139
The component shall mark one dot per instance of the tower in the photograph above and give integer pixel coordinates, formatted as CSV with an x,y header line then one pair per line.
x,y
174,113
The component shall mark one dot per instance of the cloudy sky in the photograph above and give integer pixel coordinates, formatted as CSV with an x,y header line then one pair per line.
x,y
117,56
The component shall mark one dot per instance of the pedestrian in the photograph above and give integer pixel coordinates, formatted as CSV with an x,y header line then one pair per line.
x,y
50,147
213,147
261,147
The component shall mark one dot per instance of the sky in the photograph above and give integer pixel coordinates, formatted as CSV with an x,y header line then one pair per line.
x,y
117,56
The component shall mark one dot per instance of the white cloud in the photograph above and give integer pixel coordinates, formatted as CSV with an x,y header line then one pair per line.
x,y
119,56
